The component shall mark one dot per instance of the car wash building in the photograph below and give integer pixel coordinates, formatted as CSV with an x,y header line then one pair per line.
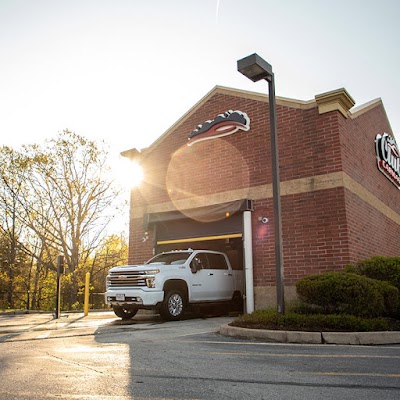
x,y
208,185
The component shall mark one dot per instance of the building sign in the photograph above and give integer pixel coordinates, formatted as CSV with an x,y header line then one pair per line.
x,y
388,157
222,125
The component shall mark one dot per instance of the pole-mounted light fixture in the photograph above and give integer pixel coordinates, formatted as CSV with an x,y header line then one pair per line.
x,y
255,68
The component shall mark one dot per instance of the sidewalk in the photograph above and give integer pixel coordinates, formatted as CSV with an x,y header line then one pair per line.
x,y
20,321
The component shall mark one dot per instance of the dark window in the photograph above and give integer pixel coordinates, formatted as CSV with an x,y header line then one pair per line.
x,y
217,261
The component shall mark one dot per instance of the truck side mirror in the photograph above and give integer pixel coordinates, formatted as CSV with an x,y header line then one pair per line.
x,y
194,265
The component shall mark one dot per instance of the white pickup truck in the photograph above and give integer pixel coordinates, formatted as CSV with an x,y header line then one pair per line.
x,y
171,281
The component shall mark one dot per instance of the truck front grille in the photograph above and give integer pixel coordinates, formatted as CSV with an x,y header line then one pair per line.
x,y
127,279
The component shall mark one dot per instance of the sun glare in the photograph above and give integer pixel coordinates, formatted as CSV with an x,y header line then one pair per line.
x,y
128,173
136,174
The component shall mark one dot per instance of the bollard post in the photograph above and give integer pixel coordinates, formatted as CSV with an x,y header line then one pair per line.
x,y
86,303
60,271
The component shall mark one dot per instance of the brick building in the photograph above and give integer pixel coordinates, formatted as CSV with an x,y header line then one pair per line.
x,y
337,205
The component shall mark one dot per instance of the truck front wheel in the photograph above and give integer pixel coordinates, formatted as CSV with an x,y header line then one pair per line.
x,y
173,306
124,313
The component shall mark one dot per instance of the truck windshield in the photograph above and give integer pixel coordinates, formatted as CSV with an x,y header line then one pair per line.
x,y
169,258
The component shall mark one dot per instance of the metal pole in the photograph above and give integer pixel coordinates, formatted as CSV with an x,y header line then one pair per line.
x,y
248,261
276,197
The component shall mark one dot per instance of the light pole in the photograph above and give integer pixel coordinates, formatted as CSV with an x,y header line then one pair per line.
x,y
256,68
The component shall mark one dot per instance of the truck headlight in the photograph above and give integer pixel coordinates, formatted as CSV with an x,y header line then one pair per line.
x,y
152,272
151,282
151,279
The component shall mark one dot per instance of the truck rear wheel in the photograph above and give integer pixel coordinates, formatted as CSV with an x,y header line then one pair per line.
x,y
124,313
174,305
237,302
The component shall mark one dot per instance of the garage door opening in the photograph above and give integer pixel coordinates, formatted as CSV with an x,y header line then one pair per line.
x,y
224,232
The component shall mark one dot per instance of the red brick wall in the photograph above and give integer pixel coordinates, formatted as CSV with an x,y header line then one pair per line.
x,y
139,250
370,231
318,235
314,236
359,159
315,233
306,141
203,161
309,143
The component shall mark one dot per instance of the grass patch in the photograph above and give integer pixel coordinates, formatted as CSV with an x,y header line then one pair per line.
x,y
313,321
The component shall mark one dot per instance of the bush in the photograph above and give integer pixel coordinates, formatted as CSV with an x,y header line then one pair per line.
x,y
391,297
380,268
292,321
349,293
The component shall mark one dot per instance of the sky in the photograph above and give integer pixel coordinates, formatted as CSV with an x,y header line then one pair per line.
x,y
124,71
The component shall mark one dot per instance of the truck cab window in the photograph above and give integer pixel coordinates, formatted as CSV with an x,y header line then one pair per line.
x,y
217,261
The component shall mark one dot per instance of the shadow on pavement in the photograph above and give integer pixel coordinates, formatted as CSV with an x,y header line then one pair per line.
x,y
142,351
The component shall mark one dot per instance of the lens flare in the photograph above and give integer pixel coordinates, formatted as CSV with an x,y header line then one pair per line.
x,y
207,173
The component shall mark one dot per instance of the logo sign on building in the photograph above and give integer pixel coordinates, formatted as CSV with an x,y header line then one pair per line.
x,y
388,157
222,125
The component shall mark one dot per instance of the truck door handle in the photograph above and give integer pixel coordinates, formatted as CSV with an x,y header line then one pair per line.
x,y
210,273
226,274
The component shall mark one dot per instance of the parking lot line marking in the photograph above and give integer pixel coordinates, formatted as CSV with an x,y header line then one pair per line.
x,y
272,344
239,353
352,374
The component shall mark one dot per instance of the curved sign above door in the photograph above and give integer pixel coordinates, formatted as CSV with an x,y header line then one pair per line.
x,y
222,125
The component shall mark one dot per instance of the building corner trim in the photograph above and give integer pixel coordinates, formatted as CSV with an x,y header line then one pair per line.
x,y
336,100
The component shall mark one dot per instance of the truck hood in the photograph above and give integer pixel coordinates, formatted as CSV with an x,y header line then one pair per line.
x,y
144,267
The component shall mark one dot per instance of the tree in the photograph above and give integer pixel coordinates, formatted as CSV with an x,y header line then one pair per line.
x,y
13,168
70,198
112,251
55,198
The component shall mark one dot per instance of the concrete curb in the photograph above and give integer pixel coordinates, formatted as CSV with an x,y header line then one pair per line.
x,y
347,338
361,338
